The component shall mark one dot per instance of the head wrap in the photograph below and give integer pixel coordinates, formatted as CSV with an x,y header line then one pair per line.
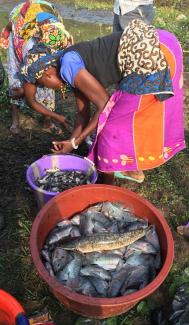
x,y
38,19
38,59
142,63
53,38
54,34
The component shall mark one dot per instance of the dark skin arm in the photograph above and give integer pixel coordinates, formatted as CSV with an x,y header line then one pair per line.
x,y
88,89
94,92
30,91
83,113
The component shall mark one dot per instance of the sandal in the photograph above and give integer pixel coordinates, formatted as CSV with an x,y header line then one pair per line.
x,y
132,176
53,129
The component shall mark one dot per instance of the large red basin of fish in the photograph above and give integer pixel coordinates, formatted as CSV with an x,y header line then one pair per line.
x,y
72,201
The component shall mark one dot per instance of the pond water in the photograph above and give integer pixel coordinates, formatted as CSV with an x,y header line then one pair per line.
x,y
81,23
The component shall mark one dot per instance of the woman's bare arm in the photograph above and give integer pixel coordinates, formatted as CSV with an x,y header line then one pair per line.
x,y
30,92
82,115
92,91
87,89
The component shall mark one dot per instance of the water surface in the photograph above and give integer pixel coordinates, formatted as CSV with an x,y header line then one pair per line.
x,y
81,23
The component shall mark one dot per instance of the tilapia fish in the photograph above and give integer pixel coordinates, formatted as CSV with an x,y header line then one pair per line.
x,y
105,241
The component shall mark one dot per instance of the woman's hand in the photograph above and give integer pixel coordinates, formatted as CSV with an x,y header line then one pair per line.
x,y
30,92
62,146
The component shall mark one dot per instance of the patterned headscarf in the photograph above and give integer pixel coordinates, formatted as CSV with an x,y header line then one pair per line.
x,y
38,20
38,59
54,35
50,38
142,62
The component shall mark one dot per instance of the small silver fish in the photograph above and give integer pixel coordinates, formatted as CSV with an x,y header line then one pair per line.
x,y
60,234
144,246
56,180
85,287
107,261
117,212
95,271
118,279
100,285
71,270
137,279
46,255
60,258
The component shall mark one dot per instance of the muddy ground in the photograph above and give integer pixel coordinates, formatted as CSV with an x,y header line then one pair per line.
x,y
167,187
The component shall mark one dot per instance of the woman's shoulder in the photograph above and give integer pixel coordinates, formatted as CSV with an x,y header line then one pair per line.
x,y
71,57
70,64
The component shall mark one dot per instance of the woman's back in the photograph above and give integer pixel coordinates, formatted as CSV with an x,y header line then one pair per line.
x,y
100,57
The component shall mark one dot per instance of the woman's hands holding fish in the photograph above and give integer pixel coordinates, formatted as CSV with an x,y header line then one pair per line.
x,y
62,146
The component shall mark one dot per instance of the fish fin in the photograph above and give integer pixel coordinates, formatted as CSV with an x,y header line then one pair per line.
x,y
151,227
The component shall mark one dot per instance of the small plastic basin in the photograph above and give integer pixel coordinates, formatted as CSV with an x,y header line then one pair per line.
x,y
63,162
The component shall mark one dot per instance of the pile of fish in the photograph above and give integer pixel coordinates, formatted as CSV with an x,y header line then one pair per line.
x,y
179,314
56,180
180,306
104,251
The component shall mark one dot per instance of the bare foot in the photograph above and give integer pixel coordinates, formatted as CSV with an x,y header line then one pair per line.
x,y
183,231
14,129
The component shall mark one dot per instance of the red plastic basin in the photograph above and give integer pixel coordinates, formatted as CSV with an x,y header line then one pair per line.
x,y
75,200
10,309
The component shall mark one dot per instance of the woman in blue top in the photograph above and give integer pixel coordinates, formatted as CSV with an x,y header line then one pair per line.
x,y
137,127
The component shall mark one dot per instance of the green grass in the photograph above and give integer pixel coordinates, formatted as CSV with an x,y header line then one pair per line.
x,y
91,5
97,5
171,19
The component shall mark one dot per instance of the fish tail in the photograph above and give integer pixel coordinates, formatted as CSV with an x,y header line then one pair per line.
x,y
151,227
